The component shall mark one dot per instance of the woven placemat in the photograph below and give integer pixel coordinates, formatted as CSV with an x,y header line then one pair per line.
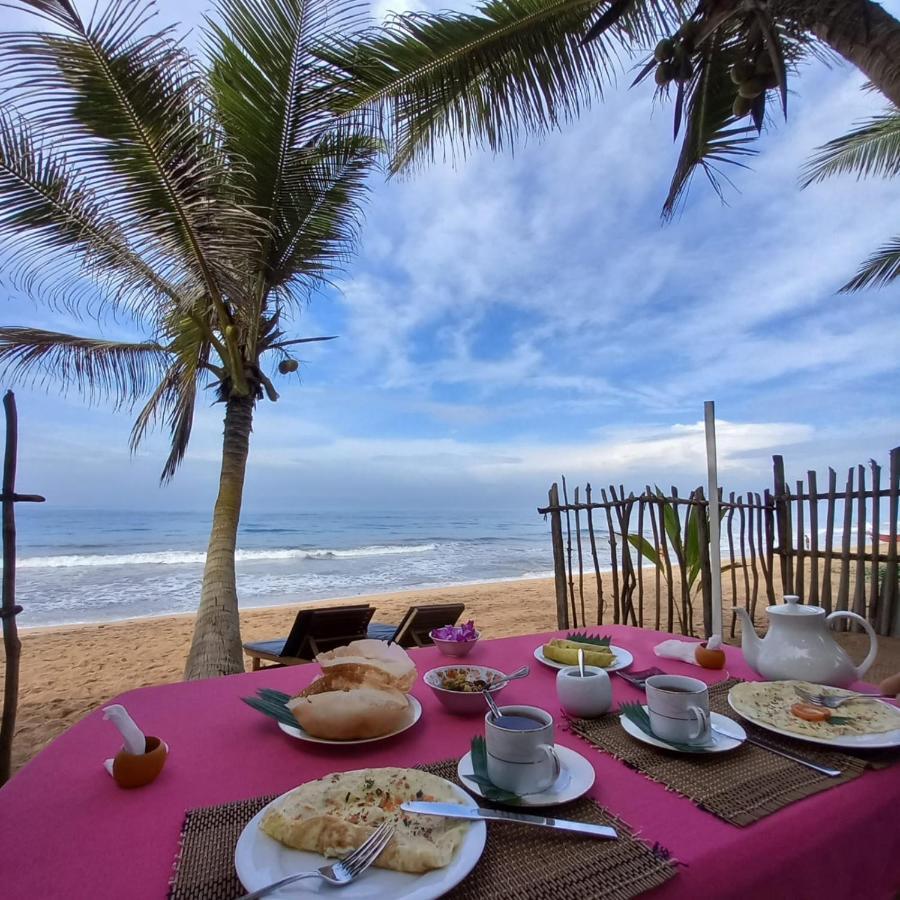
x,y
519,862
740,787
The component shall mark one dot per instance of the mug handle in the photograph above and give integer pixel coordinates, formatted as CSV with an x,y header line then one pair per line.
x,y
703,723
557,766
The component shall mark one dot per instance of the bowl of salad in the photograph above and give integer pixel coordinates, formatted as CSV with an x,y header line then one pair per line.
x,y
455,640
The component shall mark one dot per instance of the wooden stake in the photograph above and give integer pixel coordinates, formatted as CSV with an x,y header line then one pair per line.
x,y
8,609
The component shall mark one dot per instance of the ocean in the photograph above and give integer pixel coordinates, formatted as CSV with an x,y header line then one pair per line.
x,y
76,566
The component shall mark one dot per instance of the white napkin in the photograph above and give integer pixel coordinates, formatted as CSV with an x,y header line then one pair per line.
x,y
686,651
133,738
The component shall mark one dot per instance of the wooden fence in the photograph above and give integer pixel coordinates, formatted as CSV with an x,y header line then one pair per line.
x,y
826,547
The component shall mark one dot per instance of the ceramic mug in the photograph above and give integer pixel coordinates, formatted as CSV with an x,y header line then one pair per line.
x,y
587,696
521,760
679,709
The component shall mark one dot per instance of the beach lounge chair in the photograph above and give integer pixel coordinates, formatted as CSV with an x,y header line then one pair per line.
x,y
416,623
314,631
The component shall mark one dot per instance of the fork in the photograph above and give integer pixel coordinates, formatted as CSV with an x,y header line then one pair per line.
x,y
342,872
831,702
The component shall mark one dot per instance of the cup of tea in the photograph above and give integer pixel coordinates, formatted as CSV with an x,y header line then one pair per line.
x,y
678,708
520,754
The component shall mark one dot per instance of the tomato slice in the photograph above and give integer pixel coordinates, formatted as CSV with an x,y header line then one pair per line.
x,y
810,713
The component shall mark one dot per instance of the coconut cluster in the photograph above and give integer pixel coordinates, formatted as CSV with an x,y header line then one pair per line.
x,y
674,55
752,77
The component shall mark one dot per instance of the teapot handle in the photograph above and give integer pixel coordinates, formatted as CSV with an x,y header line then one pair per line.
x,y
863,667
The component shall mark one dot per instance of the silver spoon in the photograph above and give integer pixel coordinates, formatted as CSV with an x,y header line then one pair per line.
x,y
495,710
581,662
519,673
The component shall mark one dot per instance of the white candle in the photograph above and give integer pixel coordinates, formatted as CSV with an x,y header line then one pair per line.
x,y
715,551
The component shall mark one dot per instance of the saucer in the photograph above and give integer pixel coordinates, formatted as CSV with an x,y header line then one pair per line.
x,y
720,743
575,779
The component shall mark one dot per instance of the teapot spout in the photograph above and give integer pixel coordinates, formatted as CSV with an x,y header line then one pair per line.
x,y
750,640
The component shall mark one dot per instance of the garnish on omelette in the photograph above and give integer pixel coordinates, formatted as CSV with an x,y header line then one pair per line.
x,y
777,703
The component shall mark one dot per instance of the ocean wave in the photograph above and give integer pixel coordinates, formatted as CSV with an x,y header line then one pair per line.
x,y
190,557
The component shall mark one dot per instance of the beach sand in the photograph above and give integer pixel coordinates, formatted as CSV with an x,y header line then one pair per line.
x,y
68,671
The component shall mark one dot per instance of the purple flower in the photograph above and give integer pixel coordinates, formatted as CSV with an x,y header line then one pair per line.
x,y
456,632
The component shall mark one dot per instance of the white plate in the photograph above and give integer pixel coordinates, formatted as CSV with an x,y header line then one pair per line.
x,y
720,744
415,713
623,659
880,741
575,780
260,860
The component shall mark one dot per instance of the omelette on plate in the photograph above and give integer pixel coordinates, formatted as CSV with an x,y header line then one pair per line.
x,y
336,814
777,703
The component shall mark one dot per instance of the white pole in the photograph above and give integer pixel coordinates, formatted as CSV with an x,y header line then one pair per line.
x,y
715,540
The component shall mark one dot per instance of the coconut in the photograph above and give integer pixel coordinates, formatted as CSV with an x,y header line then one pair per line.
x,y
741,71
752,87
741,107
664,50
665,72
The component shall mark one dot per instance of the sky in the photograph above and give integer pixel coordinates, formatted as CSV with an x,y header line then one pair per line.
x,y
512,318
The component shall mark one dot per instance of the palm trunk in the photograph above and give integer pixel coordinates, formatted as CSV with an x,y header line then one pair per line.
x,y
216,645
863,34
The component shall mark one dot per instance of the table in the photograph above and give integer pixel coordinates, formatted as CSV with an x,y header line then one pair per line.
x,y
67,830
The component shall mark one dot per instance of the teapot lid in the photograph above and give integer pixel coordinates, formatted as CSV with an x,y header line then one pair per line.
x,y
793,607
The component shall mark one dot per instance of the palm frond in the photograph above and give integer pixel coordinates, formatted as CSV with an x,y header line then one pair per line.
x,y
712,135
173,402
267,84
478,79
111,370
880,269
872,150
49,211
129,107
319,221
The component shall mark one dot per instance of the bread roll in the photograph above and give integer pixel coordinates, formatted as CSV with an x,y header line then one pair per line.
x,y
349,715
369,662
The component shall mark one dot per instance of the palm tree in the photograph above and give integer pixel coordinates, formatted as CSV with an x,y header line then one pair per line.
x,y
871,150
525,66
200,202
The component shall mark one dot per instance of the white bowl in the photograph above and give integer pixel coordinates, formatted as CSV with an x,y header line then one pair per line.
x,y
455,648
463,703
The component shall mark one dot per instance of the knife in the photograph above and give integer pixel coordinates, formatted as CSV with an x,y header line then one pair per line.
x,y
455,811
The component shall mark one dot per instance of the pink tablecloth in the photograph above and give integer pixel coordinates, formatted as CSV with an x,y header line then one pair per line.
x,y
66,830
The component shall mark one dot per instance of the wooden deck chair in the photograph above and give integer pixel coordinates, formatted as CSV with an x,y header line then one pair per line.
x,y
314,631
414,627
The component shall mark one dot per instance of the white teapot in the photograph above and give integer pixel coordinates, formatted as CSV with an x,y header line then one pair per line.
x,y
799,645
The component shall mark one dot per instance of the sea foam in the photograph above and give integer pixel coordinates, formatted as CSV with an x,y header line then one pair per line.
x,y
188,557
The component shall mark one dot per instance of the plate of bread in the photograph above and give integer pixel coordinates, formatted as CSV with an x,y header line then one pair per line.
x,y
330,817
362,695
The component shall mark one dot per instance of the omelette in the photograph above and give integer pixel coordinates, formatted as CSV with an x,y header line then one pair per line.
x,y
771,702
335,814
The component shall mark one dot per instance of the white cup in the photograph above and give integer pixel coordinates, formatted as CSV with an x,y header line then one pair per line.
x,y
523,762
679,708
586,697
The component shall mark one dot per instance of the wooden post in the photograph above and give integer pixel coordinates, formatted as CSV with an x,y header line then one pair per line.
x,y
728,527
844,584
801,547
569,551
590,521
783,526
875,580
559,558
889,590
814,574
859,583
8,609
829,539
580,560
